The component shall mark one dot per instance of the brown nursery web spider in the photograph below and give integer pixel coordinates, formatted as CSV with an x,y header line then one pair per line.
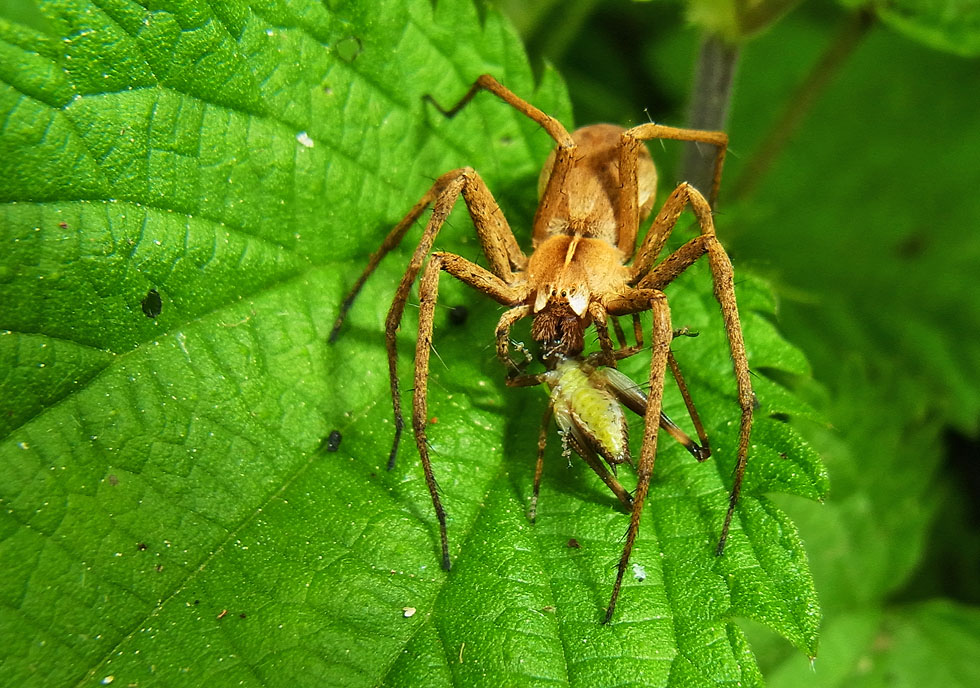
x,y
596,187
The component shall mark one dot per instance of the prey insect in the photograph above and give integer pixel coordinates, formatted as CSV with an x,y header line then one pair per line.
x,y
586,402
596,187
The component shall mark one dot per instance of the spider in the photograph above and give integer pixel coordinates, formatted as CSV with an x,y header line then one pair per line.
x,y
596,187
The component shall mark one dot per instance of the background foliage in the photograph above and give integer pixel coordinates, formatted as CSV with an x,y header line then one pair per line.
x,y
167,512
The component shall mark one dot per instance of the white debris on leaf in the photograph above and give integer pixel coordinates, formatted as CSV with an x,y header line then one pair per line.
x,y
304,139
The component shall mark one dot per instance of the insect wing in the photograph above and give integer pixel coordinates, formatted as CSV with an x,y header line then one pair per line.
x,y
624,389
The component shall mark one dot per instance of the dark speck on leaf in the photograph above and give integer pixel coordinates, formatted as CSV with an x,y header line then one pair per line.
x,y
113,480
458,315
141,546
332,441
913,245
573,543
152,304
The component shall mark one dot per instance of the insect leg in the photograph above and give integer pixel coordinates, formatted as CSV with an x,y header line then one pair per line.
x,y
704,451
539,466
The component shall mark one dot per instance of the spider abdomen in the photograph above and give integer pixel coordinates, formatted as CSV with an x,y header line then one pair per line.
x,y
589,202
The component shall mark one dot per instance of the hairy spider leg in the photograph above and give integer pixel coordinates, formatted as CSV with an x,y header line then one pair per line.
x,y
702,452
722,274
723,278
477,277
661,335
631,141
549,411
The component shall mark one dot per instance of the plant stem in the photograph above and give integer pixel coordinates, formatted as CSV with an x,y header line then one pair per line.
x,y
717,62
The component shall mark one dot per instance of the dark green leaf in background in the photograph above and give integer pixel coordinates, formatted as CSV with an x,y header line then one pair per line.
x,y
167,514
952,26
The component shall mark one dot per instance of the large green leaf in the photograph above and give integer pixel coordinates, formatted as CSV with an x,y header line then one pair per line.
x,y
168,514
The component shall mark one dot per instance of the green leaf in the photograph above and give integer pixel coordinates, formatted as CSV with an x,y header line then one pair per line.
x,y
886,282
168,515
949,25
861,219
736,20
927,644
863,226
874,191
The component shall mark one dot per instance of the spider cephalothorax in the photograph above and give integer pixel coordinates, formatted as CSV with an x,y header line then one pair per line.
x,y
579,256
566,277
595,188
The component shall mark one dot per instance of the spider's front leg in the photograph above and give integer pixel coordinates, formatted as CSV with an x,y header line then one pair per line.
x,y
515,376
496,239
480,279
723,279
661,336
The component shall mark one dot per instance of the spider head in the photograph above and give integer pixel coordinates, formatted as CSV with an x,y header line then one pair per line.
x,y
560,330
565,275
